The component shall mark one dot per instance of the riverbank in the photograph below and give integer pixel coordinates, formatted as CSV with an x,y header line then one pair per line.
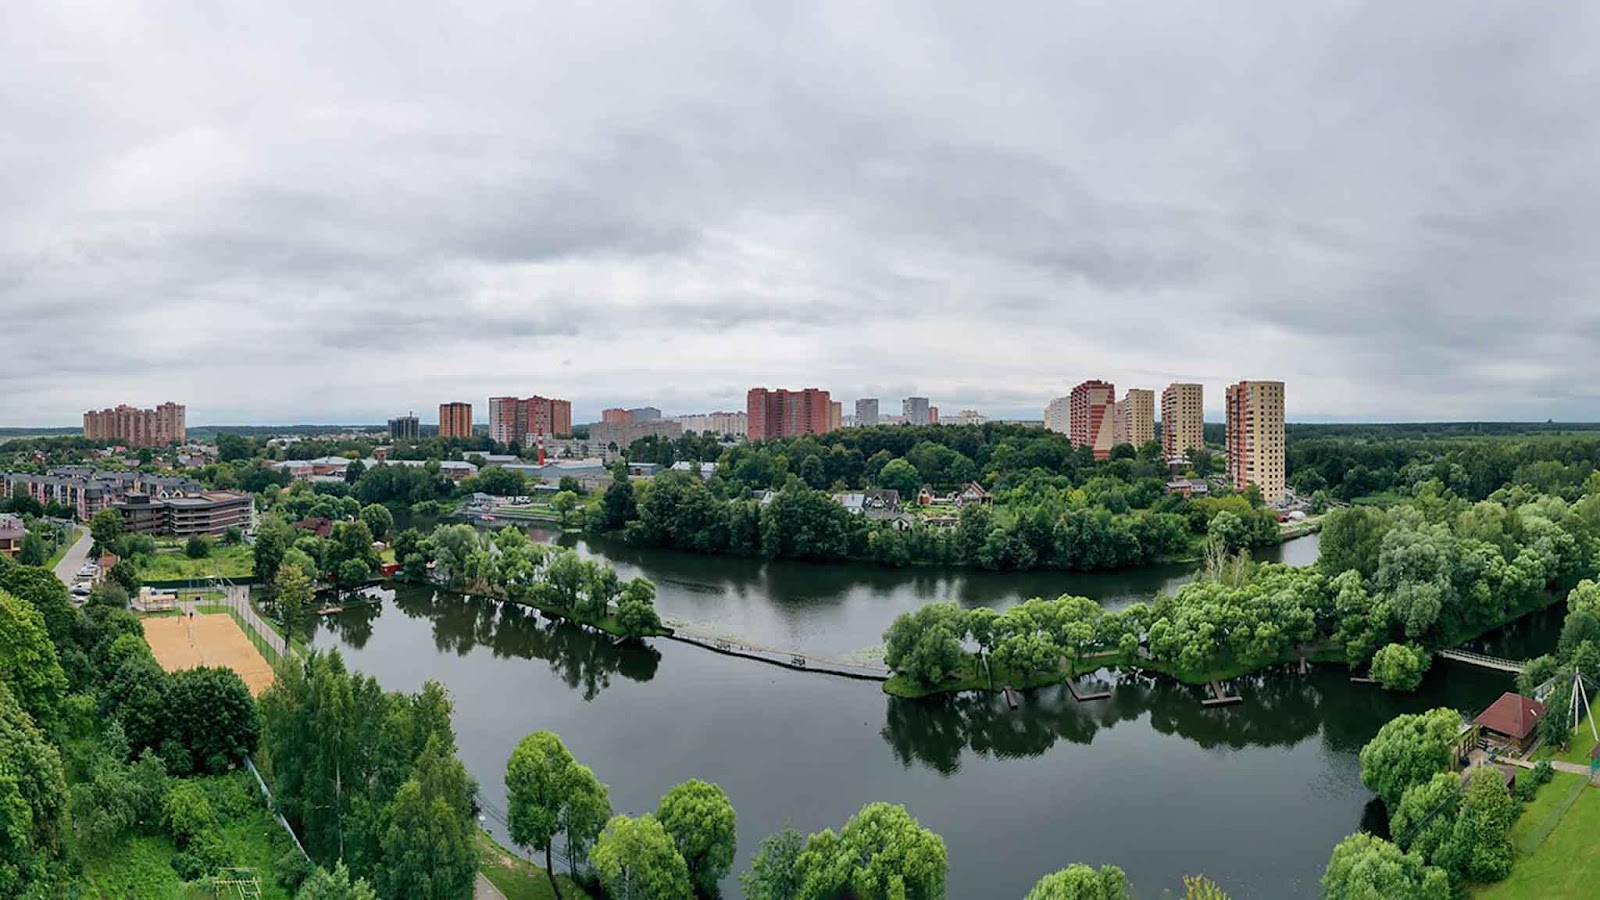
x,y
607,624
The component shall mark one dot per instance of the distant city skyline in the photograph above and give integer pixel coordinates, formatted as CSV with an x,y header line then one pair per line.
x,y
344,223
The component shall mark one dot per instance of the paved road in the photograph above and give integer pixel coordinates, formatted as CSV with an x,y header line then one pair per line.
x,y
75,557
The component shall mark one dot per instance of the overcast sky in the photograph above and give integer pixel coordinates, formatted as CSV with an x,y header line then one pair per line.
x,y
336,212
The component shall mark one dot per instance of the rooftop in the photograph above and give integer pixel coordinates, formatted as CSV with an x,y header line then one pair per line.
x,y
1513,715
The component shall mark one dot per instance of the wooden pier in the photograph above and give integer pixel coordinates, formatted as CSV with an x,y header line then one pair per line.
x,y
1219,697
788,659
1085,698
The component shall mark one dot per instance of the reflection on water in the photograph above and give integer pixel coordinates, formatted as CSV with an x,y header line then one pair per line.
x,y
582,658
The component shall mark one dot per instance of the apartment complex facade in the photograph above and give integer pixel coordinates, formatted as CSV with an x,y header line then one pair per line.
x,y
525,420
777,413
85,491
1255,437
1092,422
866,412
12,532
1058,415
455,420
621,435
405,428
138,427
192,515
1183,419
916,411
1136,418
619,416
733,424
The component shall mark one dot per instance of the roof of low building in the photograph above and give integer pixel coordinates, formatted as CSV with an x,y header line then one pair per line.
x,y
1513,715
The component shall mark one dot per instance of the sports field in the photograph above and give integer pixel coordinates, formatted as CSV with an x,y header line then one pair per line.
x,y
184,642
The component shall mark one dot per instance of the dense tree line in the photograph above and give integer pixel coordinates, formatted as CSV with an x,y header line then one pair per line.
x,y
1347,467
1038,525
1426,574
370,778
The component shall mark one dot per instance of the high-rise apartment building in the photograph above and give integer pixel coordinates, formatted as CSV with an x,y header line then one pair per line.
x,y
835,415
644,414
784,413
1058,415
1255,437
615,416
1135,418
404,428
138,427
1092,423
525,420
1183,419
866,412
915,410
508,420
455,420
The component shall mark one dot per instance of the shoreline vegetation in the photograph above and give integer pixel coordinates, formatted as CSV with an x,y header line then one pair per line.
x,y
1390,588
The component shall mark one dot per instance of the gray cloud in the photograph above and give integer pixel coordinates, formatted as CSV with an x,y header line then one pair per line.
x,y
315,212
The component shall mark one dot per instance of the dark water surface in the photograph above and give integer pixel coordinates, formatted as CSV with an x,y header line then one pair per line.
x,y
1254,795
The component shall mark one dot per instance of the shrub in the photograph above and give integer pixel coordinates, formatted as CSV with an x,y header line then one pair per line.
x,y
197,548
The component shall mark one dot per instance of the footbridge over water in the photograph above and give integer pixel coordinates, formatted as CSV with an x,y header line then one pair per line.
x,y
1485,662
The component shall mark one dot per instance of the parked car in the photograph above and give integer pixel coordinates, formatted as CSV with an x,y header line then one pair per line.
x,y
81,589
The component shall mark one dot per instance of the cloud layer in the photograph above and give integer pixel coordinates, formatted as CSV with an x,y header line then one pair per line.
x,y
338,212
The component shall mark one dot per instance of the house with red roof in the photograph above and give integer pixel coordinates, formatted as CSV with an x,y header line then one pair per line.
x,y
1511,722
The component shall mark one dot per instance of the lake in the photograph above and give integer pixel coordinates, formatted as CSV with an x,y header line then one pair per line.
x,y
1253,795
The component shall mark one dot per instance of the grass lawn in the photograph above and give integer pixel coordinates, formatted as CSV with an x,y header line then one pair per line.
x,y
142,866
234,561
519,879
1582,742
1565,865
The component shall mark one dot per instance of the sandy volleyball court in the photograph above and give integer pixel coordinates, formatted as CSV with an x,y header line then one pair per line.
x,y
214,639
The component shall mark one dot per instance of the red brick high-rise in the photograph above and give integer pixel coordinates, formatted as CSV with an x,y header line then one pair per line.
x,y
513,420
784,413
455,420
1092,420
138,427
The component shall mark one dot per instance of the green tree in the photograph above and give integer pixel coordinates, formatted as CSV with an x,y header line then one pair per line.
x,y
636,860
428,830
564,502
1364,867
197,547
700,820
636,611
274,537
1427,814
335,885
41,589
900,475
106,528
539,777
1400,667
587,809
33,798
211,714
618,506
378,519
1081,882
125,575
34,551
292,593
881,854
775,872
1409,750
28,661
924,645
1482,837
1351,538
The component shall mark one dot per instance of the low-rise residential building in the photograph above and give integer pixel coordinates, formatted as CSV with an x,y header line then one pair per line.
x,y
203,513
12,531
85,491
1510,722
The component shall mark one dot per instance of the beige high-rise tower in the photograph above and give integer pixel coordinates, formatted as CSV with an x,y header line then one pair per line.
x,y
1136,418
1183,419
1255,437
